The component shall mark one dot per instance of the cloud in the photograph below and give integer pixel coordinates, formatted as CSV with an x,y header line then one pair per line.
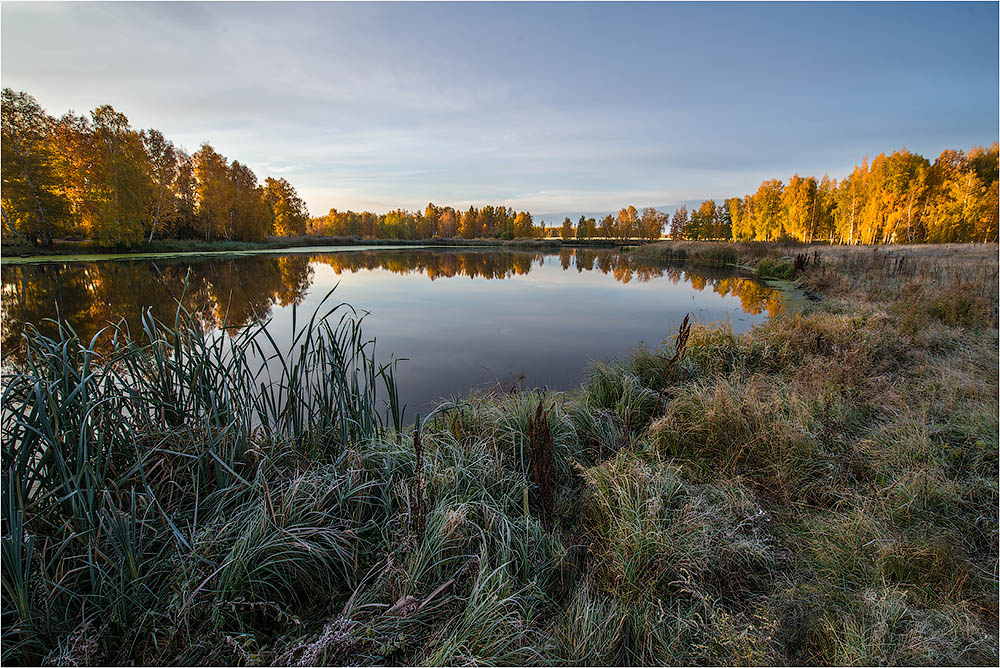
x,y
544,107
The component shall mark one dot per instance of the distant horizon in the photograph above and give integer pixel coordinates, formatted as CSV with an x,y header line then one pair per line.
x,y
559,109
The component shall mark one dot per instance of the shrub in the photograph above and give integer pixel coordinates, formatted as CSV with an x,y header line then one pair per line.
x,y
769,268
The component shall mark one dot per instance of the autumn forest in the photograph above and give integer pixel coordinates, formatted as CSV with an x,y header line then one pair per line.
x,y
96,177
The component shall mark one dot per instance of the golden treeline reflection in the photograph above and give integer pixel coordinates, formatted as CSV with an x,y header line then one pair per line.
x,y
227,292
755,297
236,291
434,263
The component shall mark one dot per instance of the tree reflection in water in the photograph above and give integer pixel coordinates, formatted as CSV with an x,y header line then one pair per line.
x,y
234,291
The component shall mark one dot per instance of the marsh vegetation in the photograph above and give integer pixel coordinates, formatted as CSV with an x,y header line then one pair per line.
x,y
821,489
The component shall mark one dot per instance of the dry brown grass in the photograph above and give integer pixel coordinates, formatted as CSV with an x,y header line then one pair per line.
x,y
867,424
826,265
819,490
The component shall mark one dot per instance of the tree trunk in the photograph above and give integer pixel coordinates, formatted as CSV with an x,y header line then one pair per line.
x,y
853,201
156,216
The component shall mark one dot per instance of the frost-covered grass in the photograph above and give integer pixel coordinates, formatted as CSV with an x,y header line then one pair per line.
x,y
820,490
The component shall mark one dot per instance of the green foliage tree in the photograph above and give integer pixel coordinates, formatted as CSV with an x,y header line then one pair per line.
x,y
724,222
121,189
566,230
704,222
252,214
184,196
214,192
523,225
607,226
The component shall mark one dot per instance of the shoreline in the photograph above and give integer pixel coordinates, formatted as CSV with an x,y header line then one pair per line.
x,y
90,252
801,480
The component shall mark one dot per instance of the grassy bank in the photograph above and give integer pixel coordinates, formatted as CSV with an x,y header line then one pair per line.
x,y
84,247
788,258
67,250
822,489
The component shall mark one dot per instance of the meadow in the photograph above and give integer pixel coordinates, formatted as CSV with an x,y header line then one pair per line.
x,y
822,489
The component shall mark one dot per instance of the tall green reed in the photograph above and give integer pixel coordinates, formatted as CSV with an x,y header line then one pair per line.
x,y
117,450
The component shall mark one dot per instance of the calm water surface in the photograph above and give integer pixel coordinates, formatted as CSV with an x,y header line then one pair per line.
x,y
463,319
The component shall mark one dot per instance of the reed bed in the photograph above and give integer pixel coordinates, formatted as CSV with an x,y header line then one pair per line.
x,y
121,451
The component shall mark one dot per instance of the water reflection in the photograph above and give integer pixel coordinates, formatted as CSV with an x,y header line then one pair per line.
x,y
537,316
754,297
233,292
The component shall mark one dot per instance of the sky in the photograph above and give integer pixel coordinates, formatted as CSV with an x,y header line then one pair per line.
x,y
557,108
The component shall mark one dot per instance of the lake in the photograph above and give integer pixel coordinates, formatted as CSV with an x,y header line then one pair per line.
x,y
463,319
